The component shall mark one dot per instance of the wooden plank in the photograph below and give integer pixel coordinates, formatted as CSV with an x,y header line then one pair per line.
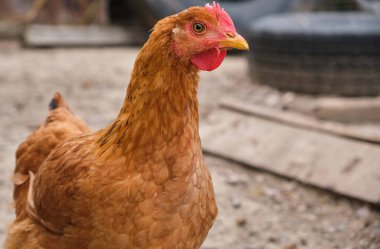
x,y
345,166
303,121
10,30
68,36
348,110
56,11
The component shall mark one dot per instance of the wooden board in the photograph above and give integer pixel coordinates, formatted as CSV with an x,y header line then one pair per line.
x,y
68,36
56,11
10,30
348,110
303,121
343,165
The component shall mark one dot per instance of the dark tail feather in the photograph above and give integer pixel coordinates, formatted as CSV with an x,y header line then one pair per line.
x,y
57,102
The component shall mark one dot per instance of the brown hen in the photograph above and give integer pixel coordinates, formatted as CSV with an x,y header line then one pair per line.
x,y
141,182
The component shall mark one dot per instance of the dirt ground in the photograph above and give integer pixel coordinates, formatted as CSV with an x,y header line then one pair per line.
x,y
257,210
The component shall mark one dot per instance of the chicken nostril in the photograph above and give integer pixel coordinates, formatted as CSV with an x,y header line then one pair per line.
x,y
230,35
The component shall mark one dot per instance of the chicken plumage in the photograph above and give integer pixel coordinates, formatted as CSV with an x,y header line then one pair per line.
x,y
139,183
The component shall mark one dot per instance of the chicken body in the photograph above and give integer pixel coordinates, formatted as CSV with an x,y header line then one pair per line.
x,y
90,193
141,182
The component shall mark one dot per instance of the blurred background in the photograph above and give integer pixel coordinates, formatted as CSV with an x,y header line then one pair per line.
x,y
290,129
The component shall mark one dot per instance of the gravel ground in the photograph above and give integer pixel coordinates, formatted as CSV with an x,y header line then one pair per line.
x,y
257,210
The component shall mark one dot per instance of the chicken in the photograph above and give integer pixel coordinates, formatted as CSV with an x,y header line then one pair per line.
x,y
139,183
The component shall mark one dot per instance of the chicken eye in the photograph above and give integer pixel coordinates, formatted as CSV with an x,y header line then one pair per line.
x,y
199,28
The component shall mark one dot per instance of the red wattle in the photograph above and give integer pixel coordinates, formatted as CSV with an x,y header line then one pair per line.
x,y
209,60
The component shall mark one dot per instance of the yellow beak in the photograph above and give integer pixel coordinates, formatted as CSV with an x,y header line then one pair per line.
x,y
234,41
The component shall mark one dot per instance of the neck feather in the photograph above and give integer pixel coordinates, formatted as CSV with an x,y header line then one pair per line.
x,y
161,102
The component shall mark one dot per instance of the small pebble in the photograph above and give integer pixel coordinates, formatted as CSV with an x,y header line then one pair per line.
x,y
270,192
376,232
241,222
272,100
290,186
236,203
273,239
331,229
291,246
311,217
288,97
303,241
236,180
341,227
363,243
256,193
363,213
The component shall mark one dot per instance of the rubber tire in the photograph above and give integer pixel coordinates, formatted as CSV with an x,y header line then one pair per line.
x,y
318,53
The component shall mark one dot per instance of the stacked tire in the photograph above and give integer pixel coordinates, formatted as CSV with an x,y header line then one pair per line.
x,y
318,53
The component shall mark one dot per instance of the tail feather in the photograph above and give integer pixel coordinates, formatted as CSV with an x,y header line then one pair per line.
x,y
60,124
57,102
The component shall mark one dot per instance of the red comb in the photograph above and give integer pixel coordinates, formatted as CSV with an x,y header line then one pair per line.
x,y
222,16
